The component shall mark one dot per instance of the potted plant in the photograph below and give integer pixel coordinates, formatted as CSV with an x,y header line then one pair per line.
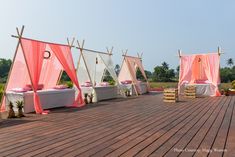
x,y
232,90
91,98
127,92
11,113
222,91
226,92
20,105
86,98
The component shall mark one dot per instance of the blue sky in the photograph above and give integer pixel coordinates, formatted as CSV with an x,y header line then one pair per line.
x,y
158,28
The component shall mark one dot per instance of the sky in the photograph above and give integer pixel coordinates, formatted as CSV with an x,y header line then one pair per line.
x,y
156,28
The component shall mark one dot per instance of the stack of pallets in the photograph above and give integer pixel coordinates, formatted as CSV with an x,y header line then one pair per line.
x,y
170,95
190,91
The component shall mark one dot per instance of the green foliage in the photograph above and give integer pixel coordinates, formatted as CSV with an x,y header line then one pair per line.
x,y
163,73
64,77
19,104
69,84
112,82
233,84
1,91
5,65
141,77
227,74
107,77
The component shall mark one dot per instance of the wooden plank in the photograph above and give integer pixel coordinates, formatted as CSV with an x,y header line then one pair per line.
x,y
146,148
137,126
230,143
149,136
215,119
123,140
180,146
170,143
218,147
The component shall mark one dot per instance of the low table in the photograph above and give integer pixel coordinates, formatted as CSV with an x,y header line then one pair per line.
x,y
50,98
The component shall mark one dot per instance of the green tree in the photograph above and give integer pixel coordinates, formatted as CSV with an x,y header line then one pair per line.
x,y
64,77
226,74
163,73
107,77
5,65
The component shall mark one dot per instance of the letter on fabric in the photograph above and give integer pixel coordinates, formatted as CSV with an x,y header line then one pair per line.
x,y
64,55
34,52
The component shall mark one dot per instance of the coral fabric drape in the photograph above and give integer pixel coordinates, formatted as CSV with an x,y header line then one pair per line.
x,y
34,53
64,55
203,67
51,70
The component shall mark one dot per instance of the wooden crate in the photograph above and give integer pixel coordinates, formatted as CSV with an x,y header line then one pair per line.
x,y
190,92
170,95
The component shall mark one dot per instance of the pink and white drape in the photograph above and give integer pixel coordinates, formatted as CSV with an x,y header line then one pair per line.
x,y
31,67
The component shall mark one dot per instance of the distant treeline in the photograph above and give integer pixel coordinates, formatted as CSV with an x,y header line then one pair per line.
x,y
161,73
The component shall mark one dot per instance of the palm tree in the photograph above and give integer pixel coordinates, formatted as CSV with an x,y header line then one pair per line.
x,y
165,66
230,62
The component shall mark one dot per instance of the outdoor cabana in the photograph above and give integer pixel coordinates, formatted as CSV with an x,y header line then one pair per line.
x,y
35,73
127,76
91,69
202,71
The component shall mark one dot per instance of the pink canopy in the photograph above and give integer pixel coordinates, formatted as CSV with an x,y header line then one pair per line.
x,y
37,63
128,71
200,69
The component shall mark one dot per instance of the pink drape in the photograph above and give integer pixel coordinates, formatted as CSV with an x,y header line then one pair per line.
x,y
128,71
64,55
51,69
34,53
18,77
203,67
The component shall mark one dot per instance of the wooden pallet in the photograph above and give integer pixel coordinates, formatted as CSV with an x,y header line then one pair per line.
x,y
190,92
170,95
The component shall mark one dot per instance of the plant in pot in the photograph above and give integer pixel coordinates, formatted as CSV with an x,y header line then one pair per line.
x,y
11,113
127,92
222,91
226,92
20,105
91,98
86,98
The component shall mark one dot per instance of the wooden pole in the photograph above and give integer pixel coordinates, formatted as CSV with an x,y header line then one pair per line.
x,y
20,33
219,51
81,51
179,53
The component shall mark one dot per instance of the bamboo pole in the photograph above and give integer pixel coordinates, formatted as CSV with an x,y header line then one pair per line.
x,y
89,50
17,36
81,51
20,33
179,53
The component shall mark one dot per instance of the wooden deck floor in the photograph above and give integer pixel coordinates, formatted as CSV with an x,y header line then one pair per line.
x,y
143,126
